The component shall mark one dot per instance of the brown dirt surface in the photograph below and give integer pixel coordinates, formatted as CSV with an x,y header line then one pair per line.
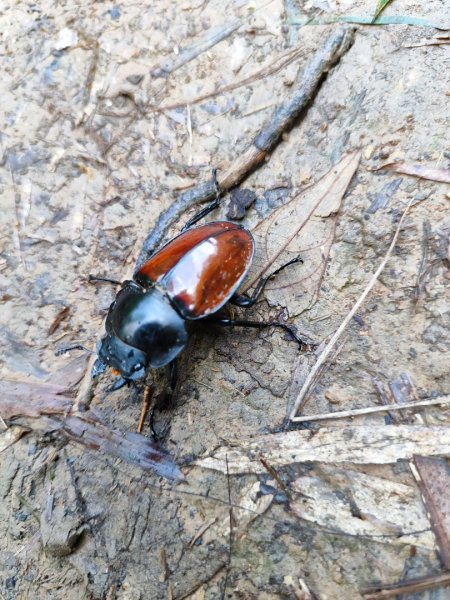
x,y
90,158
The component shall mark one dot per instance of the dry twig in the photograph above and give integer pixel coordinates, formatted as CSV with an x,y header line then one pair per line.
x,y
277,65
283,118
145,407
370,410
323,357
211,38
408,587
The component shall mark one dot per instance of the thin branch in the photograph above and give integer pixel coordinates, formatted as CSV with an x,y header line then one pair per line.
x,y
411,586
230,536
211,38
323,357
370,409
277,65
145,407
282,120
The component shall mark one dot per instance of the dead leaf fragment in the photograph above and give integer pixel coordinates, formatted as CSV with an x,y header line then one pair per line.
x,y
252,503
302,227
361,504
66,39
434,483
416,170
10,436
63,314
240,200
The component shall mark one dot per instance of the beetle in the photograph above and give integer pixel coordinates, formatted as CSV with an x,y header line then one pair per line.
x,y
189,279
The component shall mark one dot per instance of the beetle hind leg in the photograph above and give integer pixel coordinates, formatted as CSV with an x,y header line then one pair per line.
x,y
245,301
261,325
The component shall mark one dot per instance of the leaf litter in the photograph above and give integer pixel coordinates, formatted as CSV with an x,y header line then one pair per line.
x,y
122,515
417,170
303,227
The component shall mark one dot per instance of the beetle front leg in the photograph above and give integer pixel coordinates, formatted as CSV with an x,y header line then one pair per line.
x,y
245,301
259,325
208,209
94,278
173,377
166,398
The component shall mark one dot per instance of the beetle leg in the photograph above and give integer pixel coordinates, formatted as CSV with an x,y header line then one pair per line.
x,y
259,325
165,399
119,383
245,301
211,206
93,278
173,375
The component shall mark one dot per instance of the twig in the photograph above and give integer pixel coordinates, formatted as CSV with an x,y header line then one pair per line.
x,y
230,537
211,39
49,506
413,585
199,584
283,118
323,357
277,65
341,414
426,229
277,478
145,406
201,531
163,562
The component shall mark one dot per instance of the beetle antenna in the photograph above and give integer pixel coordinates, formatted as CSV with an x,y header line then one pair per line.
x,y
94,278
64,349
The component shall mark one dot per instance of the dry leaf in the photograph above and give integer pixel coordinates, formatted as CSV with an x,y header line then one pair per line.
x,y
360,504
302,227
61,316
251,504
374,444
422,171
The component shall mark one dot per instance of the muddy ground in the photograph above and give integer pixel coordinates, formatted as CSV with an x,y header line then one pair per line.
x,y
88,164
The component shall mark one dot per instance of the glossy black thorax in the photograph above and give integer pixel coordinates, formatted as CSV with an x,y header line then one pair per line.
x,y
142,330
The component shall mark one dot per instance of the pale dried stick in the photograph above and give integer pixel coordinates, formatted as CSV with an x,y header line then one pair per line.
x,y
371,409
328,348
413,585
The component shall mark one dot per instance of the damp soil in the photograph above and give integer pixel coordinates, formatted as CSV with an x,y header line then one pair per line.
x,y
100,131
